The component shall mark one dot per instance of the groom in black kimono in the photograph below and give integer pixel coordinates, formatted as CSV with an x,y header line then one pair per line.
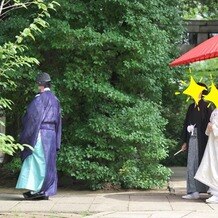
x,y
194,140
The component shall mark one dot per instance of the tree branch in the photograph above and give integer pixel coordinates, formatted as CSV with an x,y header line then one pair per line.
x,y
3,14
7,2
5,10
17,6
1,6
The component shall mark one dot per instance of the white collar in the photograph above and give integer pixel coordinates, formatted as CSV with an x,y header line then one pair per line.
x,y
45,90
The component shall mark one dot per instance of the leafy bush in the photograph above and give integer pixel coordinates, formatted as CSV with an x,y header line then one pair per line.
x,y
124,148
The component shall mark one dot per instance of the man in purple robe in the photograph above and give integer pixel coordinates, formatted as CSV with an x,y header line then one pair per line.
x,y
42,131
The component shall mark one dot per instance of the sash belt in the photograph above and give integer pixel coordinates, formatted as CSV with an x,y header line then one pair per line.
x,y
48,126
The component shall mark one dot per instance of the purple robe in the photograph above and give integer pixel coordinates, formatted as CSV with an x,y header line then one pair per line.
x,y
44,115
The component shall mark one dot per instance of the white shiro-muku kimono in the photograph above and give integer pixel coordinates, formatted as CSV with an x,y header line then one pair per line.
x,y
208,170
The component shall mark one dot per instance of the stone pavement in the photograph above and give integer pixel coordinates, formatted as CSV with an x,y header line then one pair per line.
x,y
113,204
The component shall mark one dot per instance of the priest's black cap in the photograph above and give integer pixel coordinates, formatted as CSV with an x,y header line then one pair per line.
x,y
43,78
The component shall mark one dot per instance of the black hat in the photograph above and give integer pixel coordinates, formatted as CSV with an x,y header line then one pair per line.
x,y
43,78
205,91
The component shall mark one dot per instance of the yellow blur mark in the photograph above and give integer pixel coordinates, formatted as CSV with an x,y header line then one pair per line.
x,y
194,90
213,95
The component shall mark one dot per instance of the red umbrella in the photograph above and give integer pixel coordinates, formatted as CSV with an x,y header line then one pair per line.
x,y
206,50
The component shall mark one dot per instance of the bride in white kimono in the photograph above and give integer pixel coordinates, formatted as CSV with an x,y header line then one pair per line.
x,y
208,170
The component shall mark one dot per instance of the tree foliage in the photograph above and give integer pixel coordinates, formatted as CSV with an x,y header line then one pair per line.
x,y
109,64
12,56
204,9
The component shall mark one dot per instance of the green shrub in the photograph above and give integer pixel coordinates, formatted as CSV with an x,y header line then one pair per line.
x,y
123,148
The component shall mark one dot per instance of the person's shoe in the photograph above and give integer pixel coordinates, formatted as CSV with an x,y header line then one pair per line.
x,y
27,195
37,196
192,196
43,198
212,200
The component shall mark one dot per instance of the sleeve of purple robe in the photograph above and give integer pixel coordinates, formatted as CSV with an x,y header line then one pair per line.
x,y
31,125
